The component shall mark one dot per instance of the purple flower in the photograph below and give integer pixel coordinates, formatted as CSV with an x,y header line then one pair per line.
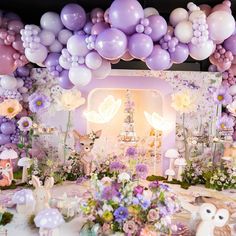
x,y
117,166
131,151
225,122
154,185
139,200
138,190
164,187
24,124
141,171
109,192
38,102
222,96
121,214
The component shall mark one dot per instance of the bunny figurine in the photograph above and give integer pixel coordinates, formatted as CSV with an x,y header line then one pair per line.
x,y
42,193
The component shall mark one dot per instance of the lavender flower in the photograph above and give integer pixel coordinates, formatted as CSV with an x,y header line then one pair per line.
x,y
38,102
141,171
140,200
222,96
121,214
131,152
154,185
24,124
109,192
225,122
117,166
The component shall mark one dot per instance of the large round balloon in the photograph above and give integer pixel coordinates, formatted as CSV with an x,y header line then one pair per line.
x,y
221,25
149,11
103,71
178,15
64,35
111,44
230,44
51,21
184,31
159,27
125,15
36,55
140,45
52,59
77,46
8,128
180,54
159,59
206,9
64,81
73,16
201,51
80,75
7,65
4,139
93,60
8,82
46,37
99,27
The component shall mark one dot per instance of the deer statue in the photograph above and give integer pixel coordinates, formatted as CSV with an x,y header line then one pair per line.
x,y
86,143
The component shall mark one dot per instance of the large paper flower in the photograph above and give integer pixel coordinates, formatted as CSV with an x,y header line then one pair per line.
x,y
38,102
10,108
184,102
106,111
157,122
71,100
24,124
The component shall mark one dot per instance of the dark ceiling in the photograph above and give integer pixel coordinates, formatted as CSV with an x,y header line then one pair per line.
x,y
31,10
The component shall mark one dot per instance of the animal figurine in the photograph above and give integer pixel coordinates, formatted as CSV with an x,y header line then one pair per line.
x,y
86,143
6,173
42,193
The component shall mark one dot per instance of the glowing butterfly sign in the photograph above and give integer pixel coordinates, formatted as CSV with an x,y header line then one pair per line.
x,y
106,111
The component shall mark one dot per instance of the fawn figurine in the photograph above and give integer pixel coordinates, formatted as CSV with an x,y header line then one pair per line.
x,y
42,193
86,143
6,173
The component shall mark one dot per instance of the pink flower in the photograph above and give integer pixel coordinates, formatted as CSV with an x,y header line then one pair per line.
x,y
130,227
138,190
106,229
153,215
146,231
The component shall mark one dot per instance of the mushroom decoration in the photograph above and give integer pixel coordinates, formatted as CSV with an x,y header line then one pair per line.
x,y
180,163
24,201
48,221
25,162
6,170
171,154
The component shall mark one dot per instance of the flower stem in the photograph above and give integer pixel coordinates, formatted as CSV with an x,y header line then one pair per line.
x,y
66,134
185,140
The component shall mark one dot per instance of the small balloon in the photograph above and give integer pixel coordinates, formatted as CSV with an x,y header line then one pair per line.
x,y
149,11
180,54
64,35
93,60
8,82
80,76
64,81
178,15
127,57
103,71
6,60
56,46
230,44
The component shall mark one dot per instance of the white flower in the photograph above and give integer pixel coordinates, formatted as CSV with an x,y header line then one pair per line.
x,y
232,108
123,177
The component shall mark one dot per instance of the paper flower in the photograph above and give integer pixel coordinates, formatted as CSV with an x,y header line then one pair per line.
x,y
38,102
130,227
121,214
71,100
232,108
184,101
222,96
141,171
10,108
157,122
24,124
225,122
106,111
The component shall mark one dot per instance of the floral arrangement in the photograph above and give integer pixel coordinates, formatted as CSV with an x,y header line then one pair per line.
x,y
5,217
121,205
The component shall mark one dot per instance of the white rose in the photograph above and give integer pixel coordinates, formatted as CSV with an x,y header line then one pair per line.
x,y
123,177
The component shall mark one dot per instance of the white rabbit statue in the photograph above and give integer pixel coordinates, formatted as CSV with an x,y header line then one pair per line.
x,y
42,193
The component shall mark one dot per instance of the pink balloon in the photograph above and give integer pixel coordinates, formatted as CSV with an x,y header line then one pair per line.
x,y
99,27
127,57
18,45
15,25
221,67
206,9
233,69
221,7
7,63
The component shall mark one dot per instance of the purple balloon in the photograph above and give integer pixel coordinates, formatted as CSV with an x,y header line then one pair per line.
x,y
180,54
8,128
64,81
99,27
230,44
125,15
4,139
159,59
212,68
73,16
140,45
87,28
52,59
111,44
23,71
159,27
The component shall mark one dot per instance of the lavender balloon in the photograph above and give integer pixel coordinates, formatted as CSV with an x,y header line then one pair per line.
x,y
77,46
159,59
180,54
73,16
159,27
111,44
8,128
99,27
64,81
23,71
230,44
4,139
140,45
52,59
125,15
93,60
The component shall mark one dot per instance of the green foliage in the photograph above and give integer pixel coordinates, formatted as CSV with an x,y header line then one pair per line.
x,y
31,222
155,178
6,218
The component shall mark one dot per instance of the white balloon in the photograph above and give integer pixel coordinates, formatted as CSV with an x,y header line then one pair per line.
x,y
46,37
196,14
80,76
23,90
8,82
64,35
93,60
184,31
232,90
20,83
51,21
178,15
64,63
149,11
77,46
56,46
37,55
103,71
